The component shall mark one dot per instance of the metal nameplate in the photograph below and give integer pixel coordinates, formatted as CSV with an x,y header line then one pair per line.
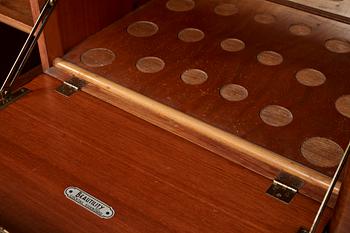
x,y
89,202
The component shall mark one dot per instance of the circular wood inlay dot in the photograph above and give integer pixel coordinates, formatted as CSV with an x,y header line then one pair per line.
x,y
191,35
234,92
232,45
300,30
194,77
143,29
338,46
270,58
150,65
265,18
343,105
277,116
97,57
180,5
311,77
226,9
322,152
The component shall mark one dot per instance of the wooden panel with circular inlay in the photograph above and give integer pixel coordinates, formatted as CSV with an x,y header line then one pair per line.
x,y
180,5
277,116
226,9
143,29
234,92
150,65
265,18
194,77
311,77
322,152
191,35
232,45
97,57
343,105
270,58
338,45
267,73
300,29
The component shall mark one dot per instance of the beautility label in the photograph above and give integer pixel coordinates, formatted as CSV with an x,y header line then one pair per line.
x,y
89,202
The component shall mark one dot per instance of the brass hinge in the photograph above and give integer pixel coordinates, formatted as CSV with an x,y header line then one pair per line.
x,y
71,86
11,97
285,187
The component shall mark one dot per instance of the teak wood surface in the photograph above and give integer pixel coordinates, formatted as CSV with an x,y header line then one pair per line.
x,y
334,9
16,13
313,108
73,21
156,181
229,146
341,218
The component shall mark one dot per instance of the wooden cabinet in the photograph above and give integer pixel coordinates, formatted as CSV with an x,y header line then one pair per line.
x,y
223,101
16,13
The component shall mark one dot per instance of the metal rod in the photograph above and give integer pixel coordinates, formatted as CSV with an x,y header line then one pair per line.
x,y
330,190
31,47
28,47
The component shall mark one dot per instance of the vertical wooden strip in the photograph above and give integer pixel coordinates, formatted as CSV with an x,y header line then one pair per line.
x,y
341,220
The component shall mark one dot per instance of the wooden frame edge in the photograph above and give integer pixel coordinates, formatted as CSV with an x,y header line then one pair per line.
x,y
229,146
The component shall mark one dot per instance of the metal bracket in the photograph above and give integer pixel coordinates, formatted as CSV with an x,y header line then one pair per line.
x,y
12,97
7,94
285,187
71,86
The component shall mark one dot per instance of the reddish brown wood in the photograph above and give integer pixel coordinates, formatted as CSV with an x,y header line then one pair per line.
x,y
338,10
341,218
313,109
17,14
73,21
157,182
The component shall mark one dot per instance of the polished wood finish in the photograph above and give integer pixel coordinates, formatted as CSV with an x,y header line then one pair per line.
x,y
313,109
16,13
73,21
156,181
333,9
227,145
341,218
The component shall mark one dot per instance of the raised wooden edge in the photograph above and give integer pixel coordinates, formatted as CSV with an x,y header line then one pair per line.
x,y
15,23
229,146
322,8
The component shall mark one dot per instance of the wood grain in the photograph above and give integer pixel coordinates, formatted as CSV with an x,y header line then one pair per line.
x,y
341,219
227,145
150,65
322,152
333,9
232,45
180,5
73,21
313,109
310,77
234,92
156,181
343,105
276,116
16,13
143,29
